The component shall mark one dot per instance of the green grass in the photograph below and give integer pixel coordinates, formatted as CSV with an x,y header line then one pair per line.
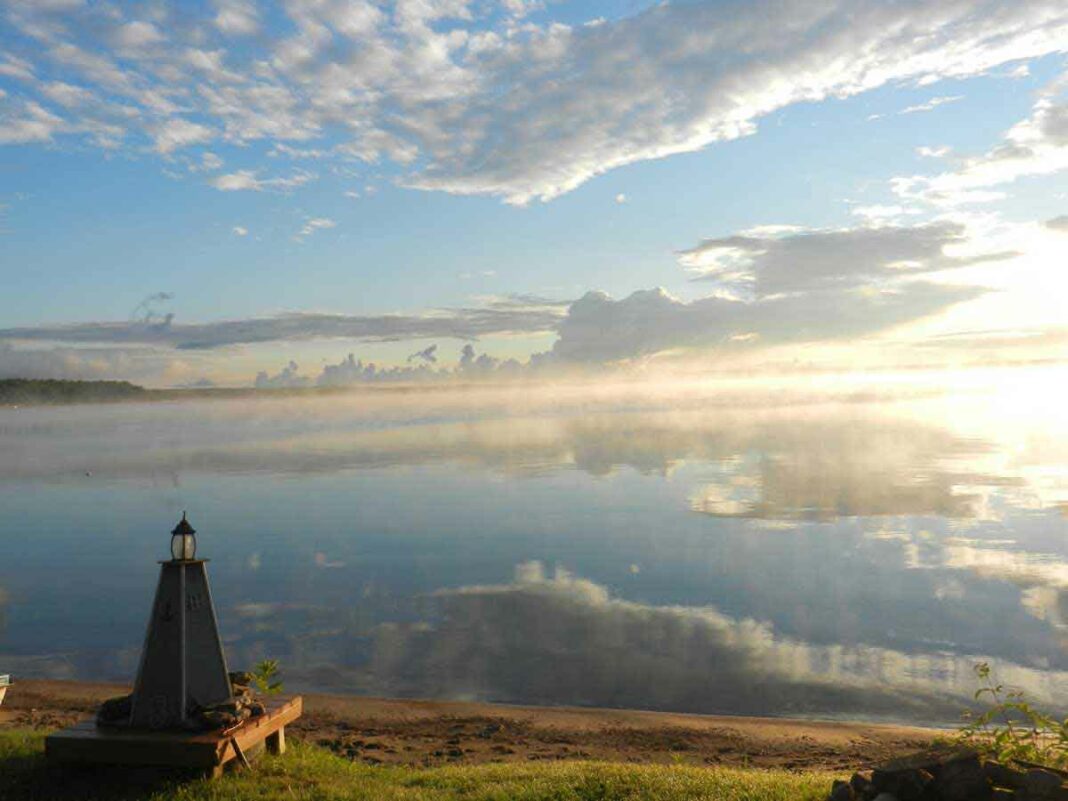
x,y
308,772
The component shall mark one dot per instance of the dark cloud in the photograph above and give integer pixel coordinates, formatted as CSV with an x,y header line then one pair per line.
x,y
768,265
82,363
598,328
467,323
288,377
426,355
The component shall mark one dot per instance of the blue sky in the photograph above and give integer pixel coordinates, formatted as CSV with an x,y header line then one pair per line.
x,y
355,160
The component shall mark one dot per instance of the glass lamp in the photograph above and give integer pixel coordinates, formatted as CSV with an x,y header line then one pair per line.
x,y
183,541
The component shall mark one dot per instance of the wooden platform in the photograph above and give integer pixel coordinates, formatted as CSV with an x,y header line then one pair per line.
x,y
85,742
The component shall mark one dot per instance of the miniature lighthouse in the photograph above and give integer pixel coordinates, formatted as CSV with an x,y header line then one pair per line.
x,y
183,668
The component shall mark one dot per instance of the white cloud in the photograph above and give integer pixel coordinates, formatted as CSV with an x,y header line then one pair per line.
x,y
239,230
1037,145
26,122
930,105
237,18
933,152
137,35
13,67
621,198
884,214
472,102
315,224
618,652
249,180
67,95
176,133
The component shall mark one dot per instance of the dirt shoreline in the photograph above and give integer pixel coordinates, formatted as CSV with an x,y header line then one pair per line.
x,y
416,732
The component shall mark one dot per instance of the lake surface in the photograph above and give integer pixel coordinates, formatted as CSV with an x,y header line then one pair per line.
x,y
809,549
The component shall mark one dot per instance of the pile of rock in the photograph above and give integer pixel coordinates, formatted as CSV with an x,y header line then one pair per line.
x,y
238,708
241,706
952,775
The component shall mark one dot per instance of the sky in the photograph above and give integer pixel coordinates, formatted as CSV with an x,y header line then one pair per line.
x,y
239,192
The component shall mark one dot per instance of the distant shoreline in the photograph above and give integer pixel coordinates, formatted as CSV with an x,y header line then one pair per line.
x,y
424,732
56,392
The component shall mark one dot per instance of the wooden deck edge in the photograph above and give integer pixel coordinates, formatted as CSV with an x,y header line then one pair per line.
x,y
83,743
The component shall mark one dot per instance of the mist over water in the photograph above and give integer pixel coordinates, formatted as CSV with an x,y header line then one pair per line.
x,y
811,548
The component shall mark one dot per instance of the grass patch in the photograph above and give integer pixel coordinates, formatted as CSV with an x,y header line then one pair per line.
x,y
308,772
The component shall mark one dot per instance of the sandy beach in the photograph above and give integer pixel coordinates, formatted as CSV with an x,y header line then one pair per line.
x,y
419,732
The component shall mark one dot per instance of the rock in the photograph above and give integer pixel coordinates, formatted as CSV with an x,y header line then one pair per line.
x,y
841,791
960,778
904,783
115,711
1001,794
861,783
1002,775
884,797
1044,784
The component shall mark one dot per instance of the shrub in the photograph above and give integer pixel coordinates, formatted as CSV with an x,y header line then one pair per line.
x,y
1010,728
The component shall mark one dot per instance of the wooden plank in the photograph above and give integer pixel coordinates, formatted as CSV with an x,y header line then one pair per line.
x,y
85,742
258,729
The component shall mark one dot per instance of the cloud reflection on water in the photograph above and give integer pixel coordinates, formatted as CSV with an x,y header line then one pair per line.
x,y
788,463
851,556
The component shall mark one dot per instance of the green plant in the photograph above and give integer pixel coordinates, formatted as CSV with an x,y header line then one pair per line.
x,y
265,677
1010,728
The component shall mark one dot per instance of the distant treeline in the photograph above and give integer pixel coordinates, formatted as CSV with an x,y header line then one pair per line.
x,y
32,390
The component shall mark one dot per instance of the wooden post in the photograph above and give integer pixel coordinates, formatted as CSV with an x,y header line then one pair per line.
x,y
276,743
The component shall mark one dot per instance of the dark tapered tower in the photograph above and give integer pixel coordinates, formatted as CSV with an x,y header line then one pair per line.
x,y
182,665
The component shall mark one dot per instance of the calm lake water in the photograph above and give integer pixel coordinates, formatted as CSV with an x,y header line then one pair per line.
x,y
807,549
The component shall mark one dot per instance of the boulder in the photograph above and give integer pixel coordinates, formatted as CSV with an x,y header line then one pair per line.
x,y
1045,785
1001,775
951,774
861,783
904,783
960,777
115,711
